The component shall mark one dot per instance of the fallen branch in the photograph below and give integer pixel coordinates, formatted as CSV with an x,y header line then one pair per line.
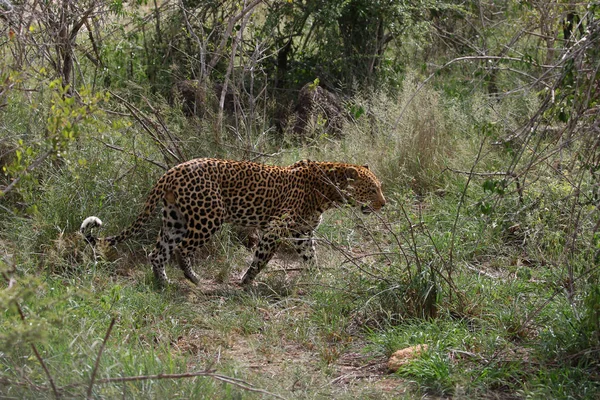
x,y
207,373
481,272
223,378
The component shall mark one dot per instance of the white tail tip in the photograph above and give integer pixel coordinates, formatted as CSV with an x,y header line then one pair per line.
x,y
90,222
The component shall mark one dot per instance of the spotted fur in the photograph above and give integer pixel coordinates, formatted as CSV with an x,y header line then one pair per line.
x,y
283,202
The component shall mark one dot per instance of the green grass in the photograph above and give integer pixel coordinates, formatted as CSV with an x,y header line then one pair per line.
x,y
301,327
481,275
162,332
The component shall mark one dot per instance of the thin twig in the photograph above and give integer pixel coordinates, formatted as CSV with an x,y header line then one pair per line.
x,y
482,272
34,348
112,146
27,384
218,54
466,58
257,153
350,258
460,205
223,378
93,377
167,133
143,121
508,173
207,373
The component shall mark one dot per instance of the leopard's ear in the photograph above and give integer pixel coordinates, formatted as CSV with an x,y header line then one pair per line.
x,y
301,163
343,174
351,173
340,175
366,166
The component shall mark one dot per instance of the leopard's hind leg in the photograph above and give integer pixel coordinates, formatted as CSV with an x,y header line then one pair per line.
x,y
200,227
174,229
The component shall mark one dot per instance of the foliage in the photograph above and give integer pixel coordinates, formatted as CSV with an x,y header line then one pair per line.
x,y
67,118
480,118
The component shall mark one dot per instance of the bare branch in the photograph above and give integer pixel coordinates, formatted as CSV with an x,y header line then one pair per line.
x,y
112,146
227,34
144,121
467,58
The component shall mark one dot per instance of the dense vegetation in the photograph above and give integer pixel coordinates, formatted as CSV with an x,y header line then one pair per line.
x,y
480,118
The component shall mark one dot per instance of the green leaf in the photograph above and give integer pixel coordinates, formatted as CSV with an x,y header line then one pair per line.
x,y
489,185
485,208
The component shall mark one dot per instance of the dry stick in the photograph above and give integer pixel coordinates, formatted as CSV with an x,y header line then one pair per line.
x,y
351,259
556,292
549,69
508,173
322,285
230,25
97,60
460,204
412,243
257,154
372,254
90,387
577,189
172,139
200,42
574,219
467,58
112,146
484,273
35,351
223,378
370,233
448,279
390,231
571,54
206,373
234,45
164,149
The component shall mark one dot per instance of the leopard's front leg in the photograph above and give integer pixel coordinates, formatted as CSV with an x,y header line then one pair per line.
x,y
303,240
265,250
304,243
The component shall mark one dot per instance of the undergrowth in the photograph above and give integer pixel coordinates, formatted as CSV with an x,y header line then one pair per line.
x,y
494,274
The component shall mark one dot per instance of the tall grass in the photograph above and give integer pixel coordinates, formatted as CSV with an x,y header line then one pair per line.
x,y
407,151
461,262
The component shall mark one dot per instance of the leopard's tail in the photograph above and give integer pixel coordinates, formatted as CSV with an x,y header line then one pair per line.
x,y
150,206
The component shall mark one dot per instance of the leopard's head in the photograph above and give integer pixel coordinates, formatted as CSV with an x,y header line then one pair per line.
x,y
352,184
363,189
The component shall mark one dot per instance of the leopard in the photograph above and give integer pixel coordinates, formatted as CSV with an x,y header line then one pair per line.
x,y
281,203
